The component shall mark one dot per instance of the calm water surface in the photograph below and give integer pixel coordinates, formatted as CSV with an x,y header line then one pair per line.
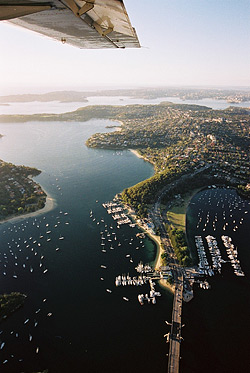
x,y
216,335
74,324
58,107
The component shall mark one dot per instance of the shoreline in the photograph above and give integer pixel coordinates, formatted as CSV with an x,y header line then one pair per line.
x,y
50,204
120,122
157,240
158,261
135,152
153,237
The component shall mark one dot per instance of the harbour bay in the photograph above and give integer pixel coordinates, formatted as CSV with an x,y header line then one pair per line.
x,y
88,328
92,329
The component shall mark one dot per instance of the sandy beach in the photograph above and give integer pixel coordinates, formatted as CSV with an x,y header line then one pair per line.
x,y
49,205
157,240
135,152
158,260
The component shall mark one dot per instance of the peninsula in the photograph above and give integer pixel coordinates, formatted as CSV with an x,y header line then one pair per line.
x,y
235,96
19,194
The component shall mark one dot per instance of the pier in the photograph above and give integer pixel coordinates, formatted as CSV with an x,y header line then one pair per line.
x,y
174,337
175,334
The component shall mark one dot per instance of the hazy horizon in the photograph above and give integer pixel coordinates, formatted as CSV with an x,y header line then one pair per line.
x,y
42,90
184,44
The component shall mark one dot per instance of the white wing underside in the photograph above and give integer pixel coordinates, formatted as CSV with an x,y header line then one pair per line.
x,y
89,24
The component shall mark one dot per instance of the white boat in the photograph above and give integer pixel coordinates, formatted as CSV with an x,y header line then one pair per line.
x,y
140,299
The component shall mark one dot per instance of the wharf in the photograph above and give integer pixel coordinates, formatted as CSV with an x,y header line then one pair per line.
x,y
175,334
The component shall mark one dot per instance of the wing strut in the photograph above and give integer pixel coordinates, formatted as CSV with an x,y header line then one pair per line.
x,y
78,12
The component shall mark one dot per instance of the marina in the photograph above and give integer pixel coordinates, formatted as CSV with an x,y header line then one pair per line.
x,y
221,212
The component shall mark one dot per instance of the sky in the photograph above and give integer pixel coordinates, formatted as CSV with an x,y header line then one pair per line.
x,y
184,43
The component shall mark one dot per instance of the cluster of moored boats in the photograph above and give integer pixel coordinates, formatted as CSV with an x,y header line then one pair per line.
x,y
109,241
142,279
151,297
204,267
26,256
204,285
123,280
215,253
228,202
141,268
233,210
232,255
117,212
31,324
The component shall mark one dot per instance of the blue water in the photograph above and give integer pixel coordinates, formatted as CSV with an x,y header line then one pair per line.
x,y
80,326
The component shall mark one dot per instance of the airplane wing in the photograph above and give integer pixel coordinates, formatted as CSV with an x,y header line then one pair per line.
x,y
91,24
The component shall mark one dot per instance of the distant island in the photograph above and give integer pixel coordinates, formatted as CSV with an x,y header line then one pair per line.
x,y
9,303
229,95
61,96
